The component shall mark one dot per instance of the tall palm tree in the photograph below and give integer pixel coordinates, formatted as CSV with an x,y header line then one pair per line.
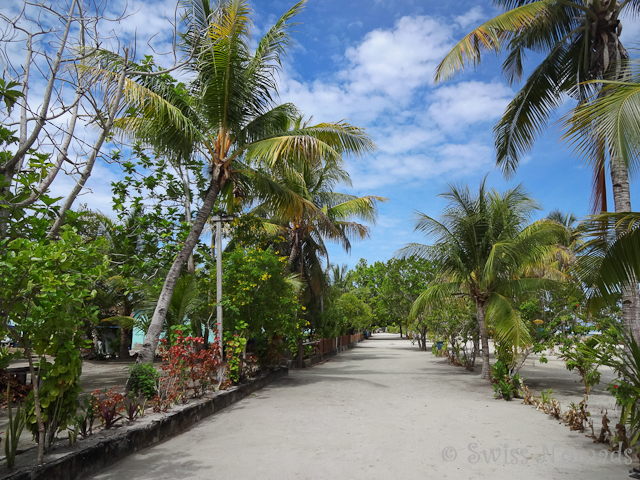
x,y
227,114
320,215
483,245
581,41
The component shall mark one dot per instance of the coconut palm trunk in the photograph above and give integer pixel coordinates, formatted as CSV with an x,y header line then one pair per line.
x,y
484,339
622,201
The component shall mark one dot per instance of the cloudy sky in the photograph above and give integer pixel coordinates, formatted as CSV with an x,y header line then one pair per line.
x,y
371,62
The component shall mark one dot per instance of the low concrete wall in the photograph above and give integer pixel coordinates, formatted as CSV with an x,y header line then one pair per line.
x,y
94,454
309,362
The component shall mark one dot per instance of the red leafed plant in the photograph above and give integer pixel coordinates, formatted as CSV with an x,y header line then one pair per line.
x,y
187,366
107,406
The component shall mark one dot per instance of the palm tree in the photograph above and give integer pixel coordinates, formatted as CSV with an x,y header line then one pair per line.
x,y
580,39
339,276
483,244
572,233
226,115
610,258
319,215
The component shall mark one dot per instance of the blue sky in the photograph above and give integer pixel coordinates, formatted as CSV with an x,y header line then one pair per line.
x,y
371,62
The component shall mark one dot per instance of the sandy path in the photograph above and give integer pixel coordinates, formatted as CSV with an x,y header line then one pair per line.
x,y
383,410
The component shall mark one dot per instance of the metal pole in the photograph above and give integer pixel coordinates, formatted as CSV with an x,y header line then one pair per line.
x,y
219,279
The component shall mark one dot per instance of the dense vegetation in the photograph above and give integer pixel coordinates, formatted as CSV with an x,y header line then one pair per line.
x,y
221,145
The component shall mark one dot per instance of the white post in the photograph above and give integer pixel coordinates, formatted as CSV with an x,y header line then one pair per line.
x,y
219,279
218,220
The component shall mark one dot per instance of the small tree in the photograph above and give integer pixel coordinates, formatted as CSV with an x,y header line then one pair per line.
x,y
260,301
43,293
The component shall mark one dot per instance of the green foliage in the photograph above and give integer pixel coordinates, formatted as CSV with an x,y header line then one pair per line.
x,y
43,293
149,202
504,385
346,314
620,351
260,302
143,380
9,94
30,221
576,359
15,426
390,288
485,248
234,351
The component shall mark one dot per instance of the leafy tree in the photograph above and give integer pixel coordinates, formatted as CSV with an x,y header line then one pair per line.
x,y
483,249
44,291
261,302
403,282
356,314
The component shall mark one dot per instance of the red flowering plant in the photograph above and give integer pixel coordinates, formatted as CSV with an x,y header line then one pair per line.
x,y
107,406
187,366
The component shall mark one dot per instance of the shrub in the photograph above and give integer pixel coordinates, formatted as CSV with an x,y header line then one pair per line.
x,y
504,386
144,380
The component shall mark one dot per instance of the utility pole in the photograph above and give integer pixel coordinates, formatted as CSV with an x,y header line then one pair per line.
x,y
218,219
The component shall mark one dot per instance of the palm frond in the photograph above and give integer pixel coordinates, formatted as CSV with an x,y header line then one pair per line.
x,y
489,36
508,325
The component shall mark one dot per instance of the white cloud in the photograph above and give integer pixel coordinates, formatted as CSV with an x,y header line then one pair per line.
x,y
450,160
381,72
630,28
385,85
471,18
395,62
453,107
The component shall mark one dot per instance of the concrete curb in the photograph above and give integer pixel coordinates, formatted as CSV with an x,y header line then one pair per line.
x,y
310,362
88,457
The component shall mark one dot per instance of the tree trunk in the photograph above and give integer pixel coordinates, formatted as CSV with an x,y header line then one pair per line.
x,y
35,380
400,324
95,151
124,343
191,265
147,352
295,248
484,340
622,200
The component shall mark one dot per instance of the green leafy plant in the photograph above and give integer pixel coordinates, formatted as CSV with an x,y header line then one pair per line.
x,y
234,350
625,362
546,397
261,303
576,359
505,386
44,290
16,423
143,380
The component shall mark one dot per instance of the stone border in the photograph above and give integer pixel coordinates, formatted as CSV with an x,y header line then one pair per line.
x,y
89,456
310,362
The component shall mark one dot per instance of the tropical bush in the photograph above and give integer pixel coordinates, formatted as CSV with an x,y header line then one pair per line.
x,y
44,291
261,302
143,380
